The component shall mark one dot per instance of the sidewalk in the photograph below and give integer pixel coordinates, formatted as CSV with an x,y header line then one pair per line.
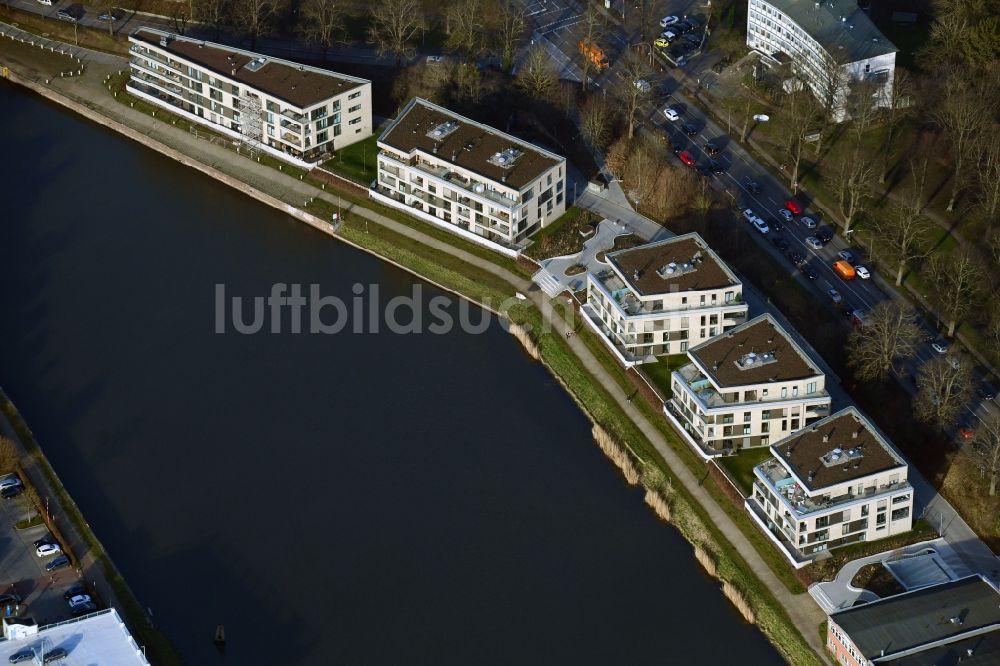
x,y
89,91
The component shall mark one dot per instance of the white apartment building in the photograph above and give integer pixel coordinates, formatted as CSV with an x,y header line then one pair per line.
x,y
836,482
748,387
815,35
469,178
298,113
662,298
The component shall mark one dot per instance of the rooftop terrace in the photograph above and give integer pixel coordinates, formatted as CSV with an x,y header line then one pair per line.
x,y
681,264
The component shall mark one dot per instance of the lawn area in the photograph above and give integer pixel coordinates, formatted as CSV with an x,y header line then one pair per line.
x,y
659,373
740,466
356,161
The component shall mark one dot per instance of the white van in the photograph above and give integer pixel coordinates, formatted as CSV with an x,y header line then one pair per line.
x,y
47,3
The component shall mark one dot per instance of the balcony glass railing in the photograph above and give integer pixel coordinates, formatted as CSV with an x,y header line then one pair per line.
x,y
454,179
795,499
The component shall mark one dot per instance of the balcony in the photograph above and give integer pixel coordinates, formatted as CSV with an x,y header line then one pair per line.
x,y
151,80
297,118
616,289
700,386
783,485
454,179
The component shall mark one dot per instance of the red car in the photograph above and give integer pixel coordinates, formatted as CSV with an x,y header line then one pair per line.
x,y
966,433
794,206
686,158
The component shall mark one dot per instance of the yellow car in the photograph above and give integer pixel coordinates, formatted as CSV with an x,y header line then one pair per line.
x,y
661,43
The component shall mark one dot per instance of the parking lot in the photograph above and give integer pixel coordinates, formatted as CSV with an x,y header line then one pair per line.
x,y
23,572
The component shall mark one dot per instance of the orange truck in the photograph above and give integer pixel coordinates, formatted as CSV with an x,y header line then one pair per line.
x,y
594,53
844,269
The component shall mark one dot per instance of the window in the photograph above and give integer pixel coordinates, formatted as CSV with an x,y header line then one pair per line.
x,y
784,391
354,121
795,391
746,417
899,514
322,124
336,130
685,322
746,430
810,388
354,108
354,95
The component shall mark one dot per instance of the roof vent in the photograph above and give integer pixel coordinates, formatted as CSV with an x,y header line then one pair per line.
x,y
854,435
439,132
164,40
812,475
256,64
505,158
826,438
956,620
636,274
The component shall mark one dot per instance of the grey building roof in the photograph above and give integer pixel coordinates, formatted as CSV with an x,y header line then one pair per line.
x,y
840,26
979,650
99,638
924,619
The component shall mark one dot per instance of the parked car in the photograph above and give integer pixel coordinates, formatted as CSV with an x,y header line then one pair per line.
x,y
668,20
9,482
48,538
671,113
862,272
27,654
808,222
761,226
716,167
814,243
670,35
940,346
752,186
797,258
661,43
10,492
793,206
966,432
824,235
74,590
808,271
83,609
47,3
642,85
687,158
748,214
835,296
986,392
107,18
685,26
79,600
780,243
785,214
73,13
47,549
711,149
848,256
690,129
693,39
54,655
776,224
57,563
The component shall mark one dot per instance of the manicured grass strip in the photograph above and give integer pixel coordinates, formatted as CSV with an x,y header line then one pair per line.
x,y
358,161
740,466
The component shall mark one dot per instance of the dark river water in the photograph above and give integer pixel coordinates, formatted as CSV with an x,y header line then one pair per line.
x,y
331,499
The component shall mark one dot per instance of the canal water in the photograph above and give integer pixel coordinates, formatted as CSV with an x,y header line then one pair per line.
x,y
369,498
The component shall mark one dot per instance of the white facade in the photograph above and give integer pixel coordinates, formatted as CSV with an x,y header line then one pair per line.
x,y
719,417
456,172
817,35
297,113
835,483
652,316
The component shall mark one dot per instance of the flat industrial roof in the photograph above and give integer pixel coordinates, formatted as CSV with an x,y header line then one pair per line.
x,y
842,447
299,85
755,352
98,638
949,611
467,143
839,26
679,264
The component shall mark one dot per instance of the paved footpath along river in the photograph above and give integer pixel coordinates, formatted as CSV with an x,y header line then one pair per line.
x,y
349,498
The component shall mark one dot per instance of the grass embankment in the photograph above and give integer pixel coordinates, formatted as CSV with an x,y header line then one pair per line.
x,y
158,646
740,467
357,162
659,373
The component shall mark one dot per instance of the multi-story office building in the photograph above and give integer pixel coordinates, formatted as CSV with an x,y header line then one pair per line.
x,y
748,387
471,179
662,298
298,113
951,623
831,44
836,482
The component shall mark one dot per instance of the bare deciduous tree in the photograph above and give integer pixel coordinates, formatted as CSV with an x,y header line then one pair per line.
x,y
617,157
898,105
591,31
959,112
984,450
958,281
466,19
831,91
537,78
320,21
989,172
943,386
595,121
798,117
632,88
394,27
905,231
214,14
852,183
890,332
509,28
255,18
32,502
430,80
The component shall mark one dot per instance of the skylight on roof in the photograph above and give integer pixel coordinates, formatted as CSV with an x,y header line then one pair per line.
x,y
505,158
439,132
